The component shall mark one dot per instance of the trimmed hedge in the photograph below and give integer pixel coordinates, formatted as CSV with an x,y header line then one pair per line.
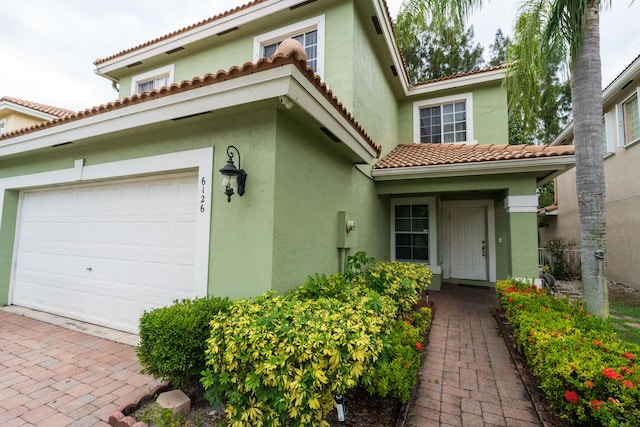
x,y
173,339
588,375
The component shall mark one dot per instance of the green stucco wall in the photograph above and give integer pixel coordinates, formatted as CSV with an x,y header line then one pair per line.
x,y
313,183
7,235
376,107
490,115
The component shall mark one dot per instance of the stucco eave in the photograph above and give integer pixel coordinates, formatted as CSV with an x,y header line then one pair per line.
x,y
275,83
553,165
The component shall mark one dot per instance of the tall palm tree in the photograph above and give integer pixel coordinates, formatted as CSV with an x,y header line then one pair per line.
x,y
546,28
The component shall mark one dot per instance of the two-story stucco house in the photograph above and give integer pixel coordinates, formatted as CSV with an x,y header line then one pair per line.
x,y
621,135
119,208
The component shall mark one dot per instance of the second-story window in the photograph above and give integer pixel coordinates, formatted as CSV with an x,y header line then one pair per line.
x,y
154,79
310,42
310,34
444,120
444,123
630,119
3,126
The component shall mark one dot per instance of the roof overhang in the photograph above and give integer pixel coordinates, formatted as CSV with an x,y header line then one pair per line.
x,y
6,105
285,80
457,82
218,25
545,169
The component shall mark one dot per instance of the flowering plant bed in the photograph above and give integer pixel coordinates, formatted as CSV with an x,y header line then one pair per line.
x,y
587,374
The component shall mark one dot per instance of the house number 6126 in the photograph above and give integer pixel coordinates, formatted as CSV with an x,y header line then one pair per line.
x,y
202,196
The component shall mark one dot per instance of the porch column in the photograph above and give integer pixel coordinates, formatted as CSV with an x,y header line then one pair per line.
x,y
523,225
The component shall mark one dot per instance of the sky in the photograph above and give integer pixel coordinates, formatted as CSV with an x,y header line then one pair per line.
x,y
47,48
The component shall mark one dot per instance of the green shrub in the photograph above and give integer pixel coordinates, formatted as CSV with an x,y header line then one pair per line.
x,y
278,360
402,281
396,371
587,374
173,339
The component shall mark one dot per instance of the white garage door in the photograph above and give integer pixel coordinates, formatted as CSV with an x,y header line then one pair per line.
x,y
104,253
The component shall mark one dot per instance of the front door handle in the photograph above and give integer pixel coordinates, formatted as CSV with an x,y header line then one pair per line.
x,y
484,249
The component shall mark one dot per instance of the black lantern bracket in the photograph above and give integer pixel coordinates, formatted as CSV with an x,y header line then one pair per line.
x,y
233,179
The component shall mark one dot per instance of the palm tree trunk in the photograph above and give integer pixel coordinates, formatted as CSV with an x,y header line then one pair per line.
x,y
586,83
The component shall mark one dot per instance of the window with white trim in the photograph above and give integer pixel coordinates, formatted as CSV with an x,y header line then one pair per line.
x,y
3,126
154,79
413,236
309,33
608,139
630,119
444,120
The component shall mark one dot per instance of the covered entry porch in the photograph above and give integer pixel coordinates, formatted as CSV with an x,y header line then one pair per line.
x,y
467,211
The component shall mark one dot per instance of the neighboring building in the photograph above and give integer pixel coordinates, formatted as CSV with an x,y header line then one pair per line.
x,y
621,135
118,208
17,113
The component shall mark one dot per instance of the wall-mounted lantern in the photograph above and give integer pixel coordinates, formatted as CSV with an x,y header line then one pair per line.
x,y
233,179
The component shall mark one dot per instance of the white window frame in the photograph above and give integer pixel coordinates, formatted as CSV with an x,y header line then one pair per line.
x,y
315,23
434,102
3,126
620,118
608,122
153,74
433,235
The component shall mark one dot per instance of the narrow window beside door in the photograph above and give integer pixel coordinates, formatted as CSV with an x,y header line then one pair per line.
x,y
411,231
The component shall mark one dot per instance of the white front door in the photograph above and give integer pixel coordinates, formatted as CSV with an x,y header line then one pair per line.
x,y
468,245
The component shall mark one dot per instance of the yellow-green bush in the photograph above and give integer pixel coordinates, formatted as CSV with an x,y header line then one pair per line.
x,y
278,360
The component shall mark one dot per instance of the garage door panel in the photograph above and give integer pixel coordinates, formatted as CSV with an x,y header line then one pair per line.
x,y
105,253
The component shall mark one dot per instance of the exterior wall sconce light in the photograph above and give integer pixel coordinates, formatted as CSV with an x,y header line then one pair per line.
x,y
233,179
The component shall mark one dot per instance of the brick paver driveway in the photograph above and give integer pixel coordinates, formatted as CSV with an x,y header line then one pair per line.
x,y
51,376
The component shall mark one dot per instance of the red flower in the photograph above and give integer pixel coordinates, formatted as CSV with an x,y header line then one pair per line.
x,y
571,396
418,346
530,339
598,343
627,384
628,356
510,299
589,384
611,374
595,404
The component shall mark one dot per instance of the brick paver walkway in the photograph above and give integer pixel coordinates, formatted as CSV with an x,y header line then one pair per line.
x,y
468,377
51,376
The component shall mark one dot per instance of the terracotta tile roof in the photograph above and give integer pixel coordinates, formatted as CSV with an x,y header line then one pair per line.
x,y
208,79
470,73
411,155
43,108
181,31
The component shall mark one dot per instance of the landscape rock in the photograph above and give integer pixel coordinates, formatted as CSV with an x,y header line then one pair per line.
x,y
176,400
